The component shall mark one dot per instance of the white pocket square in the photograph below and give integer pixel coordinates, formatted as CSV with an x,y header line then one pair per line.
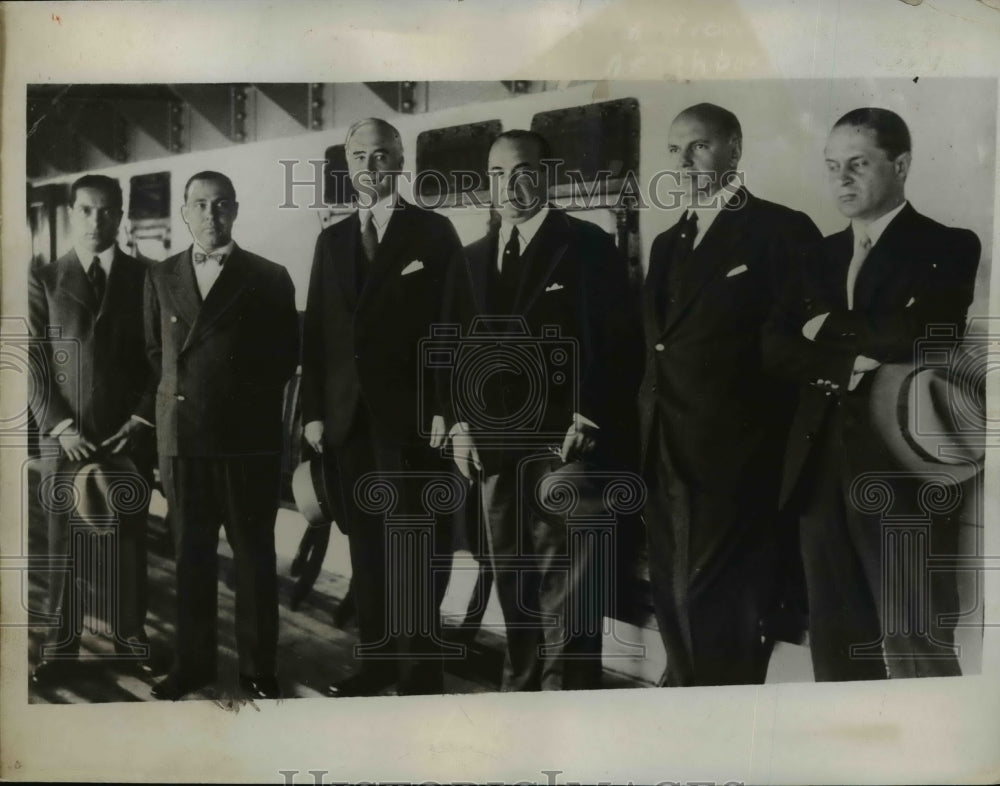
x,y
912,301
736,271
553,287
413,267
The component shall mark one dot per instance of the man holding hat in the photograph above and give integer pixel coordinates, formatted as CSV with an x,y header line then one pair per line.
x,y
866,297
89,302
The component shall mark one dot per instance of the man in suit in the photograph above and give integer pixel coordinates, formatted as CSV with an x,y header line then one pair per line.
x,y
868,293
222,335
93,297
712,420
539,269
374,292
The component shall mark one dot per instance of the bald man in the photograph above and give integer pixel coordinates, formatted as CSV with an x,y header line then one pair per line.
x,y
375,290
713,421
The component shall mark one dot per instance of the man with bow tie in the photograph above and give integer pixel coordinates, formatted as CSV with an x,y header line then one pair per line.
x,y
374,293
713,421
540,279
865,298
223,337
92,297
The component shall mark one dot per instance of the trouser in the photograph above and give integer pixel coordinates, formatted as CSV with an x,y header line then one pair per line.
x,y
111,559
241,493
547,580
875,609
398,529
712,570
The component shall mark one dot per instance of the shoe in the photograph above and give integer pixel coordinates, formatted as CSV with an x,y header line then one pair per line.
x,y
174,686
133,660
52,672
361,684
264,687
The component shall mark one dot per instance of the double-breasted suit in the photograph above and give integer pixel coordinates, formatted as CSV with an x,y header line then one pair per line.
x,y
362,378
713,422
92,370
571,319
220,367
918,273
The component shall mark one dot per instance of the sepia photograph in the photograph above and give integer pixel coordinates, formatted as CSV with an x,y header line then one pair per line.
x,y
635,417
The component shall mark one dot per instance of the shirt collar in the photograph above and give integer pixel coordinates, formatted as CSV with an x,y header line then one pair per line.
x,y
106,256
381,211
225,250
874,229
526,230
707,213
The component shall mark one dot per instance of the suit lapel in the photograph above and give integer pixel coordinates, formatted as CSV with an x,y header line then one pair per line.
x,y
543,253
388,257
74,282
116,280
714,252
347,242
480,256
232,280
891,254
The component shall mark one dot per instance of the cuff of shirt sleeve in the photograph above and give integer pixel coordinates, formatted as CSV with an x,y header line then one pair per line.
x,y
61,427
143,421
459,428
579,420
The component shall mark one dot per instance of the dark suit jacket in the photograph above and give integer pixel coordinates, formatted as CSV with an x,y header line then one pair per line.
x,y
919,273
362,344
725,417
220,366
101,378
576,281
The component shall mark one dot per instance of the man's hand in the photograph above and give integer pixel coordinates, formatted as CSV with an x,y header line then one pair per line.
x,y
578,442
464,451
438,432
862,365
75,445
313,434
121,438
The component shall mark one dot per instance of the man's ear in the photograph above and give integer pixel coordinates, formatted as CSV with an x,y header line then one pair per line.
x,y
901,166
184,213
736,149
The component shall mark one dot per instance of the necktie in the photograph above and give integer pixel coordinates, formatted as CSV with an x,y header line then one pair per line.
x,y
98,279
674,280
200,258
510,268
862,245
369,237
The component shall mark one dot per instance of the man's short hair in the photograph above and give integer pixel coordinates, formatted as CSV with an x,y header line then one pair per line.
x,y
518,135
381,125
891,133
109,185
720,118
208,174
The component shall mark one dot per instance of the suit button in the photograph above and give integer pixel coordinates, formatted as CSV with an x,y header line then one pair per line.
x,y
809,437
179,397
659,347
173,319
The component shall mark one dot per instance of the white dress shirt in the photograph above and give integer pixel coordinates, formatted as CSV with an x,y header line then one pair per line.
x,y
707,215
380,213
526,231
106,257
207,273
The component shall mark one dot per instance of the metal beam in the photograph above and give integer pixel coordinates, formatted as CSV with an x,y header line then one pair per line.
x,y
400,96
224,106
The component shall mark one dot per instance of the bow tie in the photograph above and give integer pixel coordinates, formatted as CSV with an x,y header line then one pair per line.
x,y
216,257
